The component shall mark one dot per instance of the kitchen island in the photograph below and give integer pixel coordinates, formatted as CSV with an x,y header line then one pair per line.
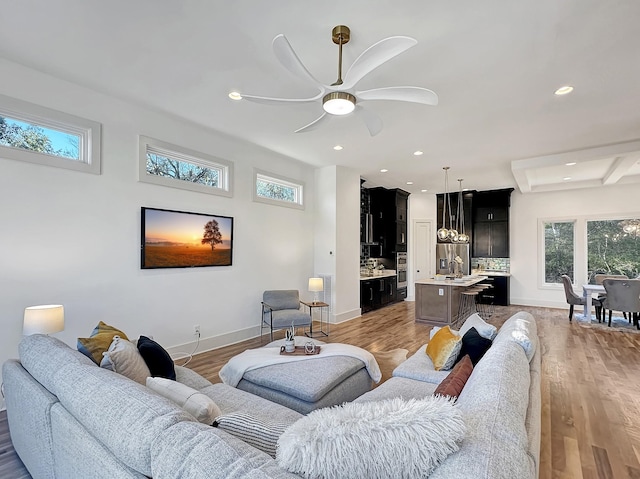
x,y
437,302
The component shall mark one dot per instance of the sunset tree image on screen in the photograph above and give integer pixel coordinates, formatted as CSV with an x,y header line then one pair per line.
x,y
212,234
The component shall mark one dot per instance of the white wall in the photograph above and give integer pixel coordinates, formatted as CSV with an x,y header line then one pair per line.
x,y
73,238
592,203
422,206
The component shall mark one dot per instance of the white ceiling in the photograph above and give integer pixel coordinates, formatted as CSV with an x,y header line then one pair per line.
x,y
493,63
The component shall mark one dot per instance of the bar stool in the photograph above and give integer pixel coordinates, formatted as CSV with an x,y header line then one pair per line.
x,y
467,305
488,301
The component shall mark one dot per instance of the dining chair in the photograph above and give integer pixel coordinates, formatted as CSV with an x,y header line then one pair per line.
x,y
281,310
573,298
623,295
599,278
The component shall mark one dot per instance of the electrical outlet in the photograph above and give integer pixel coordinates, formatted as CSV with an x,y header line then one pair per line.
x,y
440,292
196,330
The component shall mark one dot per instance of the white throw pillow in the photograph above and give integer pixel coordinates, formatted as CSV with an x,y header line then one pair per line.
x,y
195,403
124,358
254,432
378,439
484,329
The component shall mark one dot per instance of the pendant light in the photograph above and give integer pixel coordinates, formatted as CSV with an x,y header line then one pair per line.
x,y
443,233
463,238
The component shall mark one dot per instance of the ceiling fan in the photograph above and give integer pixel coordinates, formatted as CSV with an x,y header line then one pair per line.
x,y
341,97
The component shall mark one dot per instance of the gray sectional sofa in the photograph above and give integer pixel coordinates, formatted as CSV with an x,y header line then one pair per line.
x,y
71,419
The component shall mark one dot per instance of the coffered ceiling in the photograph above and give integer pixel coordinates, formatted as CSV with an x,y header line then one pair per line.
x,y
495,66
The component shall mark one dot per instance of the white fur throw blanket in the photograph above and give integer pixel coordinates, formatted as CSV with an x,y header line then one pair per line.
x,y
232,372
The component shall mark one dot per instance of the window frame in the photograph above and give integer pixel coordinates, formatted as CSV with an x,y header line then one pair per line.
x,y
298,185
542,283
185,155
88,131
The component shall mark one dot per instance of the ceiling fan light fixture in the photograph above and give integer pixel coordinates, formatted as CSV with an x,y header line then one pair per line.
x,y
234,95
339,103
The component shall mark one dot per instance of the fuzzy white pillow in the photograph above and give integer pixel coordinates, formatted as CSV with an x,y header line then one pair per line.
x,y
194,402
395,438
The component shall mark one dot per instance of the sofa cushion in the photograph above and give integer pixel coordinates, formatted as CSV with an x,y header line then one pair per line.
x,y
99,341
474,346
399,388
443,349
494,405
454,383
391,438
157,358
420,367
255,432
199,405
123,357
485,329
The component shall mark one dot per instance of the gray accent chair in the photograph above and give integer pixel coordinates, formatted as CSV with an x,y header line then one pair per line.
x,y
281,309
573,298
623,295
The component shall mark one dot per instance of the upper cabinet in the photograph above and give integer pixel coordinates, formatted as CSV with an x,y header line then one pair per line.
x,y
490,238
389,212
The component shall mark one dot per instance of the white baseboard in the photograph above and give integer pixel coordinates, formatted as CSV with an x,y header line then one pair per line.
x,y
539,303
346,316
214,342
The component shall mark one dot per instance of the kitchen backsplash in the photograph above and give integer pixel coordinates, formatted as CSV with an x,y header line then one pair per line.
x,y
494,264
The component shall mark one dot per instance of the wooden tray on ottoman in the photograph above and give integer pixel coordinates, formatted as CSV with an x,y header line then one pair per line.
x,y
300,351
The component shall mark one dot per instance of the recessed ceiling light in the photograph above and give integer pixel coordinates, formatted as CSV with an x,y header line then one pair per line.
x,y
571,163
566,178
563,90
418,153
234,95
424,191
409,182
337,147
383,170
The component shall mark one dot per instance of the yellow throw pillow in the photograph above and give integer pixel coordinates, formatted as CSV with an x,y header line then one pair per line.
x,y
99,342
443,349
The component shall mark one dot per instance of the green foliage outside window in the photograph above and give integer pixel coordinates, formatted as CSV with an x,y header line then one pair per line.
x,y
558,251
611,250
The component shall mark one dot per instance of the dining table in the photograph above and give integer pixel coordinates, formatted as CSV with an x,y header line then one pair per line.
x,y
587,292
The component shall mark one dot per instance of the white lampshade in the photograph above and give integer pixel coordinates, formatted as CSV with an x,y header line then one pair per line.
x,y
45,319
315,285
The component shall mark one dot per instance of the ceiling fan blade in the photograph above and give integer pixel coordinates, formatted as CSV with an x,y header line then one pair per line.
x,y
372,120
288,58
413,94
374,56
314,124
279,101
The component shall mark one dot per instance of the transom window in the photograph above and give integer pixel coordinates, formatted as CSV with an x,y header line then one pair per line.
x,y
170,165
36,134
274,189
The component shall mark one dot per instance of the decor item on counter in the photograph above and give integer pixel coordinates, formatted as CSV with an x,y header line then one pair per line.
x,y
179,239
43,319
315,286
462,236
444,233
457,264
289,341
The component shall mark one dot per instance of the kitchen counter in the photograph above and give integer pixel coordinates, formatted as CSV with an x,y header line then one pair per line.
x,y
485,272
463,282
385,273
437,302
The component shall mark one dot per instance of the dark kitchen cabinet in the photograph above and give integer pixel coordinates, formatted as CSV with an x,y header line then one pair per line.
x,y
499,293
490,237
377,292
389,210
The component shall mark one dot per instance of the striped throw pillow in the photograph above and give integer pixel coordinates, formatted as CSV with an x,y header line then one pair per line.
x,y
256,433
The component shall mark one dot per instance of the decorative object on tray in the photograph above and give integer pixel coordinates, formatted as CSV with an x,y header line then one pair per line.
x,y
458,262
289,342
305,350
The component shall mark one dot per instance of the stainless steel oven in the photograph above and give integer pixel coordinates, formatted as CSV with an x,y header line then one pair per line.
x,y
401,269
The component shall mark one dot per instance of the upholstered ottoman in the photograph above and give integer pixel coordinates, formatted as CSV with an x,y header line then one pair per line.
x,y
311,384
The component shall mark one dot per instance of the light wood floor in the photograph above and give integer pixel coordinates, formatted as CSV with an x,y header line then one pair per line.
x,y
590,387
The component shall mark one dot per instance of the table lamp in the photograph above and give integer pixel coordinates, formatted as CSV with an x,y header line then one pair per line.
x,y
44,319
315,286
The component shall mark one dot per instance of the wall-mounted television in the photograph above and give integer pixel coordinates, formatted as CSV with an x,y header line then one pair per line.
x,y
179,239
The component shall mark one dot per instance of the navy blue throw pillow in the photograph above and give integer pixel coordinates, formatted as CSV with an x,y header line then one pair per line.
x,y
157,358
474,345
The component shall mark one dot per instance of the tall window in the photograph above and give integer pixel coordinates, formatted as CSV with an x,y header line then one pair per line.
x,y
558,250
44,136
613,247
273,189
170,165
